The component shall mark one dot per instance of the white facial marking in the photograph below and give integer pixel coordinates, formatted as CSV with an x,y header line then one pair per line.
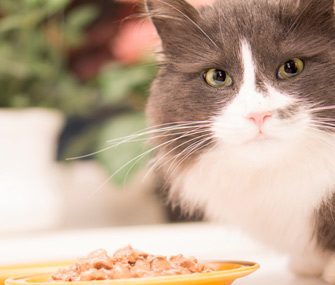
x,y
234,126
249,72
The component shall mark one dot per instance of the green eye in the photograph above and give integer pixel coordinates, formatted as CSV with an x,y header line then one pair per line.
x,y
290,68
217,78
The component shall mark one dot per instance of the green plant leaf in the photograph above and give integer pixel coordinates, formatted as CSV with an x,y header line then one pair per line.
x,y
123,161
53,5
76,21
119,82
81,17
22,21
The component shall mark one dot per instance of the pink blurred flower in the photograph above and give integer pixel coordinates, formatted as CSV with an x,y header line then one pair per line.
x,y
135,40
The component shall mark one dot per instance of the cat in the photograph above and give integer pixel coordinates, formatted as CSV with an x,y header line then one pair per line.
x,y
243,109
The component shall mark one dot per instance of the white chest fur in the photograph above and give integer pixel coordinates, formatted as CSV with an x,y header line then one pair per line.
x,y
274,203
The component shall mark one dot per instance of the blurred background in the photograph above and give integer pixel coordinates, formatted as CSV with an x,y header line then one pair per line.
x,y
74,77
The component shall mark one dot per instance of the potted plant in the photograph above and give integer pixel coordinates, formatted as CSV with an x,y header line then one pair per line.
x,y
37,92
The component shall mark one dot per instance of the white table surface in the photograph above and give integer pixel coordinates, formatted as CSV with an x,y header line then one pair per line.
x,y
203,240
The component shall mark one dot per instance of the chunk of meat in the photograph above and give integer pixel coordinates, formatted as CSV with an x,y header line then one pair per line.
x,y
127,263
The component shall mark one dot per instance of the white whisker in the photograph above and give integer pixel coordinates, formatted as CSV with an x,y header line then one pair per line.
x,y
325,119
195,149
173,149
144,132
135,159
131,139
319,134
139,157
323,125
90,154
190,149
323,108
158,128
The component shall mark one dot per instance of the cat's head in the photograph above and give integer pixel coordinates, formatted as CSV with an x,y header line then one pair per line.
x,y
253,79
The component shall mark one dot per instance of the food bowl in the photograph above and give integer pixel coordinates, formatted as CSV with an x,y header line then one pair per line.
x,y
225,272
30,269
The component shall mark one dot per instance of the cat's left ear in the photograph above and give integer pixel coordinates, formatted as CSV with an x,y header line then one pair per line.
x,y
171,16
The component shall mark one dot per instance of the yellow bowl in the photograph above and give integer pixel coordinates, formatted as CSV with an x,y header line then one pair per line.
x,y
30,269
225,273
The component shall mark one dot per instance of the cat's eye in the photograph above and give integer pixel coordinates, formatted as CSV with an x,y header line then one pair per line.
x,y
290,68
217,78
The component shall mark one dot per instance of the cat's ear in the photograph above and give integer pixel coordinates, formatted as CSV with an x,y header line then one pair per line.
x,y
171,16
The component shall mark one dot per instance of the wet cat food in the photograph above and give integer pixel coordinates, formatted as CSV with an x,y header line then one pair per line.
x,y
127,263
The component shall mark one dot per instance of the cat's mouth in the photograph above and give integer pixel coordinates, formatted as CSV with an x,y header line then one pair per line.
x,y
260,138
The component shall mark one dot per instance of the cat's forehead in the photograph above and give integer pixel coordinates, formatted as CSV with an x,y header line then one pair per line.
x,y
275,30
260,22
271,20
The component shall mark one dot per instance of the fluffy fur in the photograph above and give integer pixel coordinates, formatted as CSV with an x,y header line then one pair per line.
x,y
275,180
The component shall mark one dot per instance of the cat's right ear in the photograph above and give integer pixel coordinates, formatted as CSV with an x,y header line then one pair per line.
x,y
171,16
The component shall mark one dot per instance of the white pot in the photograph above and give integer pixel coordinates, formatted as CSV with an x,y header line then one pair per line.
x,y
29,196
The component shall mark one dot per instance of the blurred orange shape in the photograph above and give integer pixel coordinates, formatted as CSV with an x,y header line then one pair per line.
x,y
135,40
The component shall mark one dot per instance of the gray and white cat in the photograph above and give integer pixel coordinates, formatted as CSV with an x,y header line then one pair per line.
x,y
244,112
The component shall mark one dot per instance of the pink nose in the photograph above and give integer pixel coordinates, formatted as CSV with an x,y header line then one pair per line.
x,y
259,117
